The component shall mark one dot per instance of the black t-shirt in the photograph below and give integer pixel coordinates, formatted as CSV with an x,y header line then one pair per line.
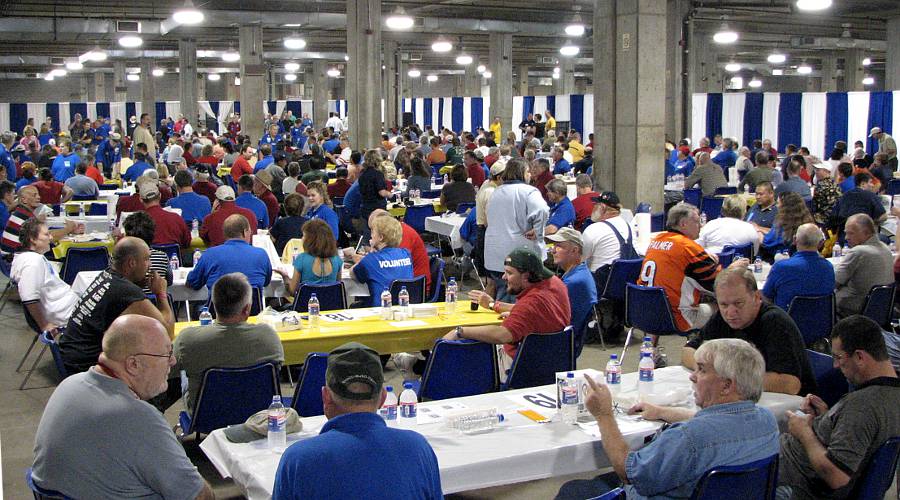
x,y
458,192
857,201
371,181
102,302
775,335
287,228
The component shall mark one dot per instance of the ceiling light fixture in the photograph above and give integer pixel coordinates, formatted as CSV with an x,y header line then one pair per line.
x,y
464,59
158,72
95,55
48,77
291,25
868,81
481,68
58,72
441,45
291,66
813,5
294,42
737,82
414,73
432,78
867,61
777,72
556,76
754,83
133,77
487,74
732,67
231,56
333,72
290,77
399,20
131,41
804,69
214,77
237,81
569,50
556,69
74,65
188,14
776,58
725,35
576,27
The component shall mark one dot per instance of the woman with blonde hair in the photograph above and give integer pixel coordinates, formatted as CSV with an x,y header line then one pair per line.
x,y
318,206
386,262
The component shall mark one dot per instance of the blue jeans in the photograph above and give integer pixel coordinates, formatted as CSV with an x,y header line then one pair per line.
x,y
579,489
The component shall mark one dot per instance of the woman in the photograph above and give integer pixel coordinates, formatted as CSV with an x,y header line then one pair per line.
x,y
45,135
372,186
402,164
459,190
287,228
386,262
319,206
792,213
29,138
420,177
207,158
48,299
729,229
319,262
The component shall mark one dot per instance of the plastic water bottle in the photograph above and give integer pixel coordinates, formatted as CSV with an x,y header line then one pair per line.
x,y
613,373
702,218
195,228
569,403
446,179
403,298
197,254
386,303
277,431
757,265
647,346
112,226
475,421
837,251
452,289
81,210
408,401
388,410
205,317
782,255
174,264
312,309
645,374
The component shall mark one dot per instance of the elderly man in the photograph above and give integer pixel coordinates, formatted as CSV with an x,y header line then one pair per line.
x,y
886,145
577,278
726,157
794,183
212,229
235,255
542,306
230,342
764,171
562,213
605,238
193,206
246,199
541,175
29,201
560,165
114,292
583,203
861,199
867,263
728,429
743,315
729,229
170,227
805,273
707,174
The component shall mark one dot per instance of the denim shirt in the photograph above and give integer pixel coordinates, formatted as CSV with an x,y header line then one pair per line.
x,y
720,435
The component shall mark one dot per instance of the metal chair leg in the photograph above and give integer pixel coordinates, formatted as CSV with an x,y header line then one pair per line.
x,y
4,297
625,348
33,366
599,327
27,353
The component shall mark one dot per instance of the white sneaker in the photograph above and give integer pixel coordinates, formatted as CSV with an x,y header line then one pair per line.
x,y
404,361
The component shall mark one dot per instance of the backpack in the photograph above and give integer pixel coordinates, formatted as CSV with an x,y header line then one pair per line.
x,y
626,248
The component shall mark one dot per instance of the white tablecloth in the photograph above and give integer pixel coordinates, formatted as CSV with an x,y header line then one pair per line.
x,y
520,450
447,226
92,223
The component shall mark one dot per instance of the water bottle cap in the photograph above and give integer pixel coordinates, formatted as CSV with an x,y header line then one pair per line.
x,y
613,356
204,309
403,289
407,385
645,354
276,398
570,375
648,339
313,296
500,418
389,388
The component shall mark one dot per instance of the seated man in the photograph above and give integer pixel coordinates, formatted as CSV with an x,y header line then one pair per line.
x,y
867,263
826,450
729,229
81,184
860,200
236,255
356,451
212,228
708,174
230,342
793,183
728,429
246,199
142,226
133,451
170,227
762,214
562,213
194,207
542,306
114,292
603,240
804,273
743,315
577,278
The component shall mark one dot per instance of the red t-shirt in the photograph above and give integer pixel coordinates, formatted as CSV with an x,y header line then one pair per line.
x,y
211,230
95,174
170,227
476,173
240,167
271,205
300,189
413,242
541,308
50,191
541,183
583,207
205,188
338,189
130,203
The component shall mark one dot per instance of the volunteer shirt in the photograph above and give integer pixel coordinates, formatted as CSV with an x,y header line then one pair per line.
x,y
379,269
63,167
108,154
255,205
328,215
193,206
543,307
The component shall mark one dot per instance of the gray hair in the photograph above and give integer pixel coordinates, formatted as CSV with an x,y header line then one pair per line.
x,y
736,274
7,137
734,206
230,294
863,221
584,181
736,360
808,236
678,213
557,186
702,158
727,142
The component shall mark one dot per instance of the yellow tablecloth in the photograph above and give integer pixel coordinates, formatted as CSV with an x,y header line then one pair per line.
x,y
400,210
63,246
383,336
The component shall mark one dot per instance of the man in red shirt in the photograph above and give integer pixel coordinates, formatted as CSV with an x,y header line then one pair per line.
x,y
583,203
92,171
211,230
473,168
241,164
541,175
52,192
262,183
414,244
170,227
132,203
339,187
203,186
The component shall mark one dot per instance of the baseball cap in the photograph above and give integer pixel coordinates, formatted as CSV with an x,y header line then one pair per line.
x,y
566,234
354,363
149,190
498,167
608,198
225,193
875,130
115,136
526,260
257,426
822,166
264,177
684,149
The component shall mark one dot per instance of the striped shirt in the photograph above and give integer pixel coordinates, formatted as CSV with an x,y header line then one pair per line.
x,y
10,240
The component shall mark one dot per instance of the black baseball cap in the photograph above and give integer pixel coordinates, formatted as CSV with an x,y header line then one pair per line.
x,y
608,198
351,363
526,260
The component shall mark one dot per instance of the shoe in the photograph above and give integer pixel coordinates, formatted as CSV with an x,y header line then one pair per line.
x,y
404,361
660,360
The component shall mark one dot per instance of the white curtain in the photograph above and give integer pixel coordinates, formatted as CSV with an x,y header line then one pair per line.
x,y
207,109
698,118
38,111
419,117
517,115
225,109
563,103
117,112
467,115
91,111
435,119
448,113
812,128
64,119
896,104
588,114
540,106
4,116
771,104
733,116
306,106
857,117
137,110
279,107
173,109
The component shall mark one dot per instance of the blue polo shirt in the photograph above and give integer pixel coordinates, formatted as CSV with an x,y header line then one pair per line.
x,y
582,296
356,453
297,137
193,206
379,269
725,159
6,160
4,215
561,167
63,167
233,256
135,171
330,144
24,181
562,214
255,205
268,139
353,200
108,154
261,164
762,217
805,273
328,215
848,184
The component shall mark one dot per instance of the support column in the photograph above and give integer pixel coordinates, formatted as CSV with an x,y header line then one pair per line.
x,y
522,80
363,83
853,71
892,65
232,91
99,88
202,83
148,92
187,78
320,93
405,85
253,81
307,83
120,87
501,81
391,90
83,85
677,97
565,84
640,96
473,80
604,93
829,73
581,86
460,85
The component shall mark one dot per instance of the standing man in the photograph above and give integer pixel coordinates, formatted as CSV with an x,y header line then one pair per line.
x,y
334,123
497,130
109,155
143,135
886,145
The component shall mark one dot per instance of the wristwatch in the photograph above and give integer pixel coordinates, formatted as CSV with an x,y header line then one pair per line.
x,y
459,331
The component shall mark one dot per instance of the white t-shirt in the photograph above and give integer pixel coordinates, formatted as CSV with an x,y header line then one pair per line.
x,y
600,245
38,282
718,233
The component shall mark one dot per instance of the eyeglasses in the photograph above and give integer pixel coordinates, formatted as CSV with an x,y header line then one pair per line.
x,y
841,356
171,353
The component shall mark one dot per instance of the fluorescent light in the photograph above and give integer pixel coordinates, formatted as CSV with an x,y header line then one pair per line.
x,y
432,78
754,83
95,55
725,35
777,72
487,74
158,72
58,72
346,58
575,29
441,45
291,66
237,81
214,77
291,25
776,58
131,41
414,73
732,67
569,50
333,72
399,20
737,82
867,61
188,14
868,81
294,43
133,77
74,66
464,59
556,69
481,68
813,4
231,56
290,77
556,76
48,77
804,69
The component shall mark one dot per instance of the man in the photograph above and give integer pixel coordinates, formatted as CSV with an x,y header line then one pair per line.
x,y
241,165
410,241
793,183
7,201
882,170
804,273
542,306
583,202
762,172
113,293
235,255
603,240
562,213
276,170
170,227
342,153
707,174
886,145
81,184
577,278
825,451
133,203
212,229
29,201
560,165
473,168
860,200
845,178
109,154
202,185
134,452
496,129
437,155
143,135
867,263
176,152
726,157
7,139
193,206
827,193
762,213
482,198
743,315
230,342
262,183
64,164
265,150
52,192
341,184
140,165
356,451
246,199
703,147
575,147
728,429
541,176
334,122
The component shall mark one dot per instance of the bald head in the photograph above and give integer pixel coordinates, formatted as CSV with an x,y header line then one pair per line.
x,y
378,212
808,237
235,226
127,249
130,334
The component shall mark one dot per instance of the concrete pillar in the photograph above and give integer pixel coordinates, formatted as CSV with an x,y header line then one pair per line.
x,y
307,83
581,86
232,91
148,92
892,65
829,73
120,87
389,61
565,84
853,71
187,78
83,85
202,82
501,87
405,85
473,80
677,96
253,80
522,80
459,85
363,82
320,93
640,96
99,88
604,93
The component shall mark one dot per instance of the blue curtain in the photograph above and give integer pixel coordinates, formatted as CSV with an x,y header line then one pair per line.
x,y
18,117
881,114
753,116
789,119
131,110
527,106
576,113
835,119
213,122
477,112
78,107
428,111
294,106
160,114
270,105
413,103
103,110
713,115
551,104
457,114
237,107
440,118
53,113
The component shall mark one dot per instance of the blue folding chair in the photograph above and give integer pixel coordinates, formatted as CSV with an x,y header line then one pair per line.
x,y
48,343
814,316
754,480
712,207
725,191
307,398
42,493
658,222
170,249
831,383
893,187
726,258
436,268
84,197
745,251
879,472
84,259
693,196
648,310
539,357
449,359
229,396
464,207
431,194
415,287
415,216
337,201
108,187
616,494
643,208
879,304
97,209
331,296
611,288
